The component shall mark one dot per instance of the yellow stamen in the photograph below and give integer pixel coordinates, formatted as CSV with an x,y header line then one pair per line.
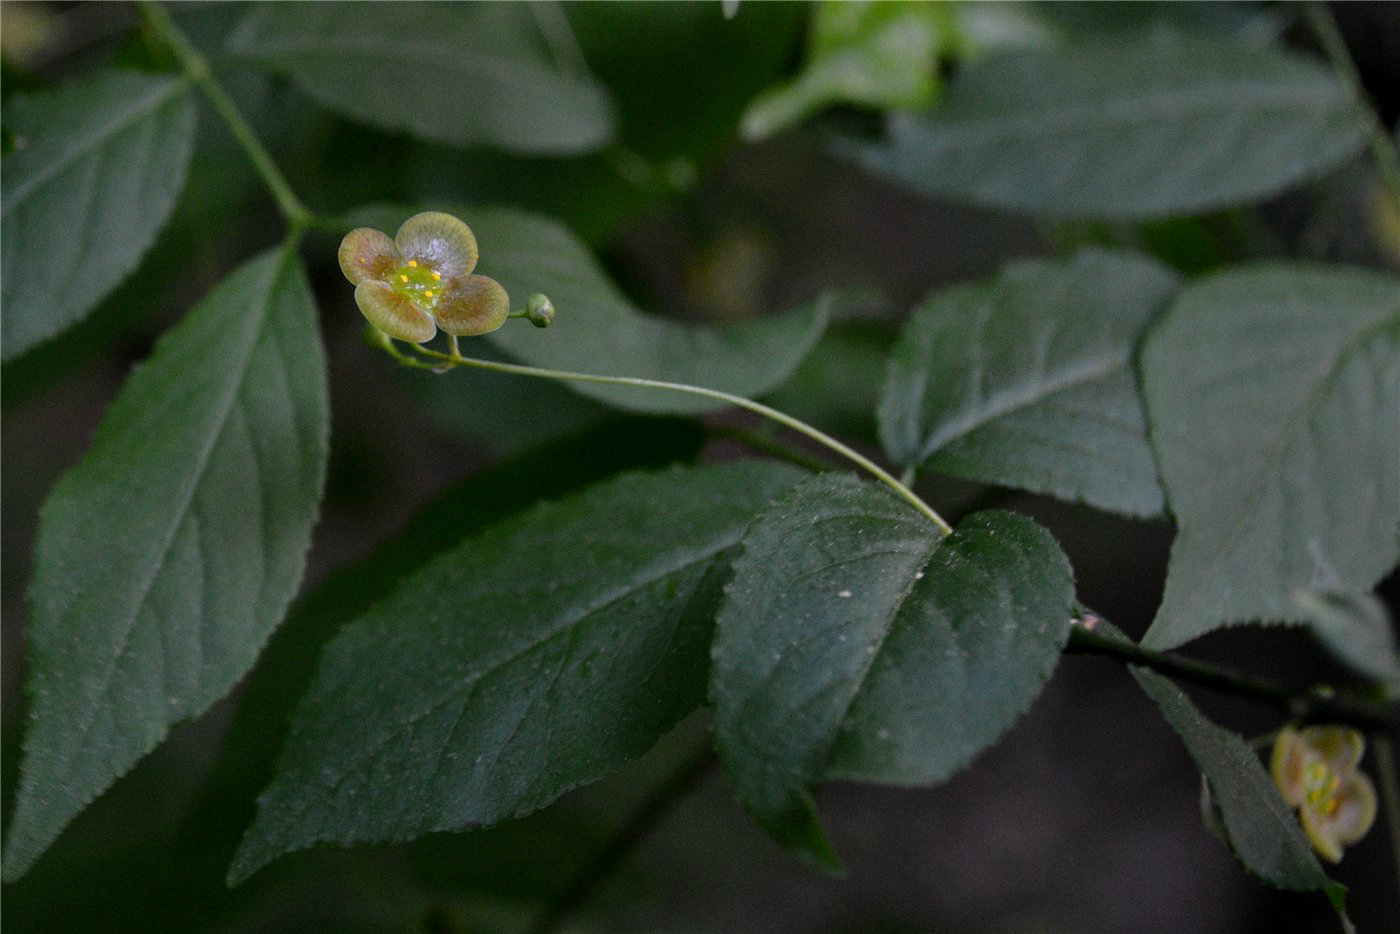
x,y
413,263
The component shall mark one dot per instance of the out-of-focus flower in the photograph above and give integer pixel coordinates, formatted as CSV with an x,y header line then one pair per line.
x,y
1316,770
422,280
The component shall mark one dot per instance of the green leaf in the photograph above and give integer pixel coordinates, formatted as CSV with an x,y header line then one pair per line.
x,y
1028,381
436,710
1130,128
1357,630
1273,393
97,170
213,826
599,331
1263,834
855,643
882,54
463,74
170,552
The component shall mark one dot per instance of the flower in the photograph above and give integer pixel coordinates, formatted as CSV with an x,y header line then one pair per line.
x,y
421,280
1316,771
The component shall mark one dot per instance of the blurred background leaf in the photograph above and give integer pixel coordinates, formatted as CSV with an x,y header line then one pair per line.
x,y
1133,128
453,73
95,172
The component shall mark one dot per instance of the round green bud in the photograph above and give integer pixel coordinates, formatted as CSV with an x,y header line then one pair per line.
x,y
540,311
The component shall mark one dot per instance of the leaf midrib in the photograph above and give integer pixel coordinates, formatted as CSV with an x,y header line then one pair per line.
x,y
1090,370
572,622
1125,113
886,626
226,406
1288,436
159,98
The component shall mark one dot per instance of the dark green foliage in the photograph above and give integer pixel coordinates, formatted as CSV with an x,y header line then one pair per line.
x,y
1028,381
854,641
94,175
546,621
405,68
168,555
1273,394
1127,127
540,655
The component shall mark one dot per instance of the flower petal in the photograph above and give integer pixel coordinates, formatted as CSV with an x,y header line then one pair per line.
x,y
1288,763
1345,820
1356,809
439,241
393,314
1339,746
1321,837
472,305
367,254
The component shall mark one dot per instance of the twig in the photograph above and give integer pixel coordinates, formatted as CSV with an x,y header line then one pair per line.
x,y
197,69
1313,704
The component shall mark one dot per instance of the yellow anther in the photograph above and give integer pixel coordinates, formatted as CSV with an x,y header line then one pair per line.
x,y
403,278
413,263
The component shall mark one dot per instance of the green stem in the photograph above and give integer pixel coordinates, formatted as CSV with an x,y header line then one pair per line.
x,y
782,418
197,69
1316,704
1382,146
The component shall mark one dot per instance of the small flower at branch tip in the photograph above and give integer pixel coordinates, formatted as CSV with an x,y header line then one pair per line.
x,y
421,281
1317,771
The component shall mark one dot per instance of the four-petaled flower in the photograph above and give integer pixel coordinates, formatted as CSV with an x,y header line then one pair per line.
x,y
1316,770
421,280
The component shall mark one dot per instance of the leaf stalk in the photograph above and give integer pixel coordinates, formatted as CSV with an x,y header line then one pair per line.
x,y
1317,704
448,360
197,70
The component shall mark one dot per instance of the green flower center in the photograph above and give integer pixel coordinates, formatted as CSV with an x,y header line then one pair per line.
x,y
418,283
1320,786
